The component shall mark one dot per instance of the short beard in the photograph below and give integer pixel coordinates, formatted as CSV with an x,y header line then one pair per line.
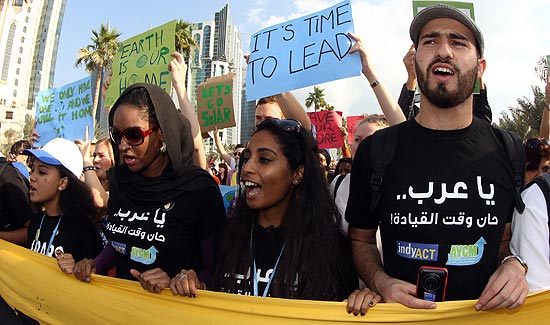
x,y
440,95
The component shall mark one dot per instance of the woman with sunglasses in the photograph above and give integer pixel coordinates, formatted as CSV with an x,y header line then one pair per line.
x,y
537,154
284,238
162,207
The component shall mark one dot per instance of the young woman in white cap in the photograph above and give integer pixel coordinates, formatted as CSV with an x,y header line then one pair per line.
x,y
64,228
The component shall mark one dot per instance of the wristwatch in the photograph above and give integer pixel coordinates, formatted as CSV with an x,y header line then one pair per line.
x,y
519,259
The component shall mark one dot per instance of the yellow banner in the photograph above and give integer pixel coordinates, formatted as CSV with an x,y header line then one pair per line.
x,y
33,284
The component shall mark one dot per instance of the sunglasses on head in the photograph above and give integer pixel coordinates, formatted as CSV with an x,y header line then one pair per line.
x,y
286,125
133,136
542,146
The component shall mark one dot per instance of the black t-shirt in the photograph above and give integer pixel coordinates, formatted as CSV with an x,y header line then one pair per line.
x,y
75,235
446,199
167,237
267,245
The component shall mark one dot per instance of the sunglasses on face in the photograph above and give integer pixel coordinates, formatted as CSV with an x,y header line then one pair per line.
x,y
542,146
286,125
236,154
133,136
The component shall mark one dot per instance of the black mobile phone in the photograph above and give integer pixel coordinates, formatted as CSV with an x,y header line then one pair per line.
x,y
431,283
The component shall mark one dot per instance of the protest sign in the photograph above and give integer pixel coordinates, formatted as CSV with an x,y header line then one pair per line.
x,y
228,194
143,58
327,126
64,112
466,7
352,122
302,52
215,103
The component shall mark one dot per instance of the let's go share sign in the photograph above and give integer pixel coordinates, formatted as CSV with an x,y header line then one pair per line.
x,y
302,52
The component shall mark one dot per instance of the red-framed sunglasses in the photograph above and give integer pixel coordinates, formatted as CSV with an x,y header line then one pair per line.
x,y
133,135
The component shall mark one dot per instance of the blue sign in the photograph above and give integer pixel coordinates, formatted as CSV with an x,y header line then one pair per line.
x,y
302,52
418,251
228,194
65,112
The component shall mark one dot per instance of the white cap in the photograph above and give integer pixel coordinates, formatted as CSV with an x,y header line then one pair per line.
x,y
60,152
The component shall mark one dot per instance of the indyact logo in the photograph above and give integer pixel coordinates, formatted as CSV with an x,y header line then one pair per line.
x,y
417,251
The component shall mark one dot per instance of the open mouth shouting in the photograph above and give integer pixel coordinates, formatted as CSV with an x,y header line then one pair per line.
x,y
252,189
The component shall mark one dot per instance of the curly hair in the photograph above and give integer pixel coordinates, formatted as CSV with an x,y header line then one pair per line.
x,y
77,198
313,240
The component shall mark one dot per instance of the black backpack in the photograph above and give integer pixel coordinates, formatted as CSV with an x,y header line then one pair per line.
x,y
384,143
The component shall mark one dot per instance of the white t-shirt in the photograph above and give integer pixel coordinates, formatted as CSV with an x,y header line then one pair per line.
x,y
530,238
341,198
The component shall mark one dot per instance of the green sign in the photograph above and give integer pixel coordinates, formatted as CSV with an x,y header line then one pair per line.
x,y
215,103
466,7
143,58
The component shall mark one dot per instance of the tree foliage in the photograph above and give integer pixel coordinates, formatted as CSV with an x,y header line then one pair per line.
x,y
99,56
28,127
525,118
184,40
317,99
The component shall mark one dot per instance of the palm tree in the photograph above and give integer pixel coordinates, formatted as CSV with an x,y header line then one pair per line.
x,y
99,56
316,99
524,119
184,40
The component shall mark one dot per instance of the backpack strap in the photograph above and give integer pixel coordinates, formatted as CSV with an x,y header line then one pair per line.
x,y
339,180
544,183
516,154
383,145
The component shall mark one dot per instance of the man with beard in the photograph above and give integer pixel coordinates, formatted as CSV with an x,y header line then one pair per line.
x,y
454,211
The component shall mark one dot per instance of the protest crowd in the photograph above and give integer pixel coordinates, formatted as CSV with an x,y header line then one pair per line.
x,y
426,204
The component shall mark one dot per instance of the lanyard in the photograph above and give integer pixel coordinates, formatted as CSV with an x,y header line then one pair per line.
x,y
255,282
53,233
270,277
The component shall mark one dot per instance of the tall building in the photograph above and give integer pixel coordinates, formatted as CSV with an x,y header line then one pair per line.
x,y
248,115
29,37
219,52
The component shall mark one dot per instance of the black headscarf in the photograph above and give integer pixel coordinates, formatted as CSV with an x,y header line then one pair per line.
x,y
135,191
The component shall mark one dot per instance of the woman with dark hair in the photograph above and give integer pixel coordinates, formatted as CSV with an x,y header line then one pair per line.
x,y
18,159
283,239
67,228
537,154
343,167
161,207
324,162
222,173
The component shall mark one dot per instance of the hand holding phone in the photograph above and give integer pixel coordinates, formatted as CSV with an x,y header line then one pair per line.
x,y
431,284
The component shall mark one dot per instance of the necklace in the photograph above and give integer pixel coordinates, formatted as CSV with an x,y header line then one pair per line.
x,y
255,281
54,233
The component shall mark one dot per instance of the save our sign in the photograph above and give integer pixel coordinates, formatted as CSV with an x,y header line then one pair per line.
x,y
215,103
64,112
302,52
327,126
143,58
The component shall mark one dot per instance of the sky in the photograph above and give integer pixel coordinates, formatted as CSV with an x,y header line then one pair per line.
x,y
516,33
